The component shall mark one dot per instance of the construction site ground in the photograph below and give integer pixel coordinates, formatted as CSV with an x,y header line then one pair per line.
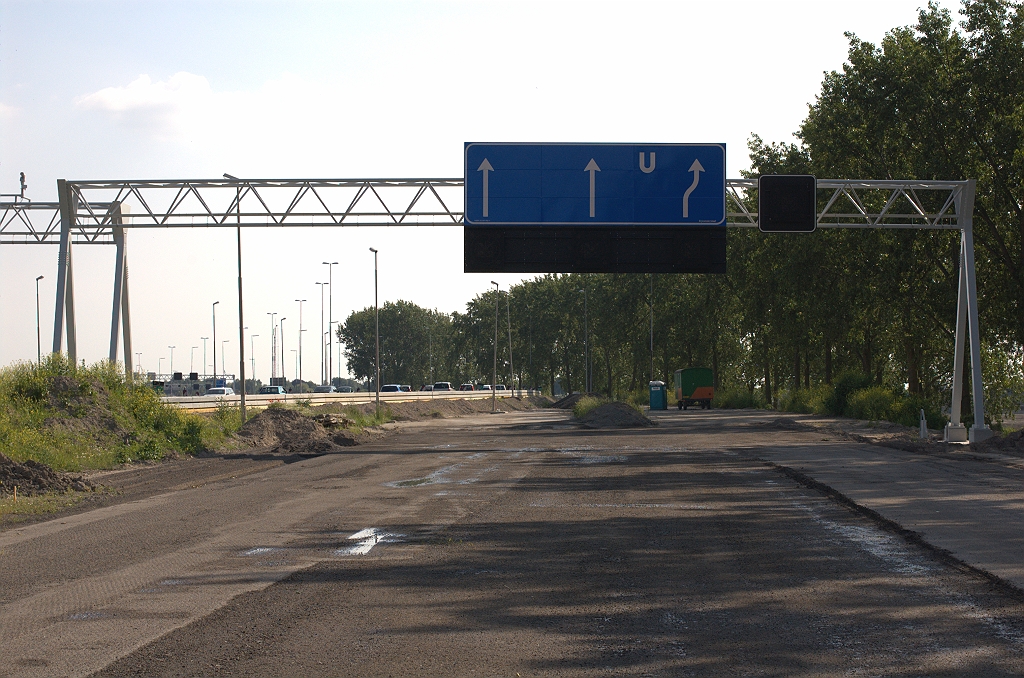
x,y
711,543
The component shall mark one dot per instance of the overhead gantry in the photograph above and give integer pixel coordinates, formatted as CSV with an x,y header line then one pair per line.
x,y
100,212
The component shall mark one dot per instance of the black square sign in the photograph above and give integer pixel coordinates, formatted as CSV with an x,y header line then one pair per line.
x,y
787,203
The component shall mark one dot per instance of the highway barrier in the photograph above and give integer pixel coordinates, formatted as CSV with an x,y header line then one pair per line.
x,y
257,402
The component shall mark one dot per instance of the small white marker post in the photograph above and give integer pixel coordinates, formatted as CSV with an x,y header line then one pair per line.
x,y
924,427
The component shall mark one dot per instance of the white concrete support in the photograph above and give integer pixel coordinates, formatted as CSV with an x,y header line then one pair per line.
x,y
967,314
119,317
955,431
65,299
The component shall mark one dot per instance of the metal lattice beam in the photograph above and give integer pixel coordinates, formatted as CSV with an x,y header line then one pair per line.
x,y
409,202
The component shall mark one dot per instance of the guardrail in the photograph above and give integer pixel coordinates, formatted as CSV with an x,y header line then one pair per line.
x,y
210,403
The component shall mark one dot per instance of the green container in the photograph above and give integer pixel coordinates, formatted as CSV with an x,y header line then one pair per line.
x,y
695,386
659,396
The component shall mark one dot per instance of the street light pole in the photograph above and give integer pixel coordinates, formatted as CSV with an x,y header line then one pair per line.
x,y
586,344
323,356
252,356
223,363
273,345
376,333
172,360
330,314
204,356
192,359
299,368
511,370
39,343
138,363
494,377
283,377
651,304
215,343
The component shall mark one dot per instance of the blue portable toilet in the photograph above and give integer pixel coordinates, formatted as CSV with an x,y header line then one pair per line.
x,y
659,396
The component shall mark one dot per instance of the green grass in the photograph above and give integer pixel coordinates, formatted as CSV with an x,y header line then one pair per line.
x,y
586,405
361,420
41,504
74,417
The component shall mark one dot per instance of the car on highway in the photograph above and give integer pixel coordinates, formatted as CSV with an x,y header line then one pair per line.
x,y
406,388
390,388
271,390
500,387
427,387
324,389
467,387
344,389
483,387
443,386
220,391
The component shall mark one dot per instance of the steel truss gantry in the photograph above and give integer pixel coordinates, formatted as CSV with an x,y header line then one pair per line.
x,y
99,212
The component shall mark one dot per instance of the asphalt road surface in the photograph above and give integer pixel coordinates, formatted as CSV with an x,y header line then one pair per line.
x,y
517,545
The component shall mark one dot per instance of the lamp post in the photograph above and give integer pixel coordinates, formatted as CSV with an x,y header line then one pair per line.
x,y
376,333
330,314
159,367
222,361
298,368
273,345
215,342
651,304
252,356
282,350
296,362
323,354
511,370
205,364
494,378
192,359
138,363
172,360
586,344
241,322
39,342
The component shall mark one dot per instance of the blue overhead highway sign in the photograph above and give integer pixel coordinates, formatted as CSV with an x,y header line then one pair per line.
x,y
595,184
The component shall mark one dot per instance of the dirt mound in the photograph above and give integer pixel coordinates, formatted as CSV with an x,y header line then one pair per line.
x,y
290,432
32,477
567,402
1011,443
442,408
615,415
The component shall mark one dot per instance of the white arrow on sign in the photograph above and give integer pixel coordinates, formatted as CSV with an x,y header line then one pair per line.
x,y
591,167
485,167
696,168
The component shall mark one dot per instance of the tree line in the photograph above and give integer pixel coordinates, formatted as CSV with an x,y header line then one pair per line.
x,y
938,100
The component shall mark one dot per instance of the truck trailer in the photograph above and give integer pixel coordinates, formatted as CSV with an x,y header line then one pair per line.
x,y
695,386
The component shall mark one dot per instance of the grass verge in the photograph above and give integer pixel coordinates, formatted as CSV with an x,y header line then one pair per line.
x,y
73,418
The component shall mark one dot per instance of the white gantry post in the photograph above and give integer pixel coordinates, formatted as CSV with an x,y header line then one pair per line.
x,y
64,308
967,314
119,316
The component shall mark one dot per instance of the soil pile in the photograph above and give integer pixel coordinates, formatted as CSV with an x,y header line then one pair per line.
x,y
442,408
286,431
32,477
82,407
567,402
615,415
1012,443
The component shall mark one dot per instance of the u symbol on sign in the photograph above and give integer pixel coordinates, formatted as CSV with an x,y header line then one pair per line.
x,y
643,166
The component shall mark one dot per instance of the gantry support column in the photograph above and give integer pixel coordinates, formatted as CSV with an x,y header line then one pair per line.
x,y
119,314
64,307
967,314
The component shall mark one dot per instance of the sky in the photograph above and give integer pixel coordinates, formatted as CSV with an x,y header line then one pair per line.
x,y
161,90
